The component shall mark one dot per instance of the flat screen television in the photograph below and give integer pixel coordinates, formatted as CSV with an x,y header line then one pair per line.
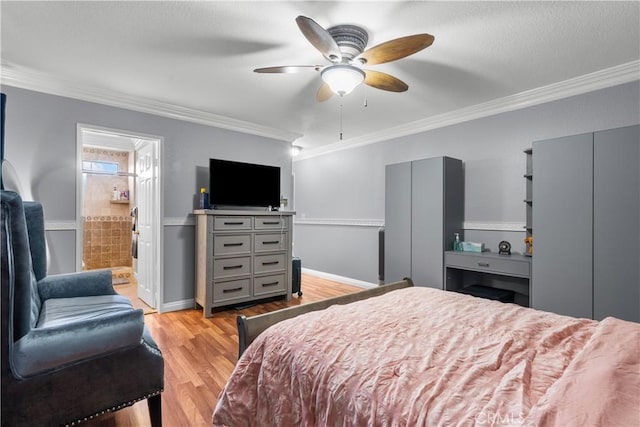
x,y
243,184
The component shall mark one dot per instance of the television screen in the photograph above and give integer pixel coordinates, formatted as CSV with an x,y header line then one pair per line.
x,y
243,184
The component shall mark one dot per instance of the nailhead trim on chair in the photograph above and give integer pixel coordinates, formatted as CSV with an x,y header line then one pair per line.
x,y
151,348
113,409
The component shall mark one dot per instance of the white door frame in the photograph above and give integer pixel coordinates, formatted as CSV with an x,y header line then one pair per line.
x,y
158,285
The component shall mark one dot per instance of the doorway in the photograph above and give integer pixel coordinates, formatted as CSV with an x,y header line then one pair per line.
x,y
119,210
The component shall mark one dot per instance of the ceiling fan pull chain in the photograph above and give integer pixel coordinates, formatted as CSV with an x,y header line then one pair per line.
x,y
366,104
340,118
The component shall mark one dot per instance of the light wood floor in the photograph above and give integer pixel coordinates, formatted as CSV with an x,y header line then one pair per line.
x,y
199,356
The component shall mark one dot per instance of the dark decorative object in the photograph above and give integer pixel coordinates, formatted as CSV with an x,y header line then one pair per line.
x,y
504,248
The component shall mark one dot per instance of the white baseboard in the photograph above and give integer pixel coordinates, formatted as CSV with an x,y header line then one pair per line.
x,y
341,279
177,305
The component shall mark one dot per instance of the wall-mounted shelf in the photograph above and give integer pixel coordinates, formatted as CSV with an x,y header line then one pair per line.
x,y
119,202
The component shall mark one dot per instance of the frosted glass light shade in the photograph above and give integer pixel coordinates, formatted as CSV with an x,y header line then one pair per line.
x,y
342,78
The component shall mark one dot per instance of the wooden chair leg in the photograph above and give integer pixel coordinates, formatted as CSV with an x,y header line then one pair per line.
x,y
155,410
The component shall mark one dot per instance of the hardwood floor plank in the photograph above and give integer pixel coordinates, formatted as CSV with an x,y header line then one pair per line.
x,y
200,354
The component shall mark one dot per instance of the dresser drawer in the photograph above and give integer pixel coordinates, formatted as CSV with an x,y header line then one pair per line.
x,y
232,223
229,267
224,244
270,242
230,290
266,263
496,264
270,222
269,284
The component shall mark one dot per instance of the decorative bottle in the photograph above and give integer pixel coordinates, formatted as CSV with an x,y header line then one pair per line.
x,y
204,198
115,195
457,245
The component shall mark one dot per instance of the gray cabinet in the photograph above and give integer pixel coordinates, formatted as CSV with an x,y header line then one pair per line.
x,y
241,256
424,207
616,223
586,214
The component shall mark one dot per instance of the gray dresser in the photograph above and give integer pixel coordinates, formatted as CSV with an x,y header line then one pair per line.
x,y
242,256
424,207
586,222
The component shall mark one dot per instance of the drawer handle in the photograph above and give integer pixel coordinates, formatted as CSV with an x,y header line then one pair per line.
x,y
270,284
271,242
271,222
226,245
228,291
232,267
271,263
483,264
233,223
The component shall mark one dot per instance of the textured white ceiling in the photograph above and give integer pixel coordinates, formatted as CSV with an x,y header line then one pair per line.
x,y
200,55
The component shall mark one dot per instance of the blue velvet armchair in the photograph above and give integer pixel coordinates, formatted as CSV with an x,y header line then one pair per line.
x,y
72,348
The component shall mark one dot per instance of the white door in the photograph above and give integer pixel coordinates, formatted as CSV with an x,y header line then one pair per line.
x,y
146,184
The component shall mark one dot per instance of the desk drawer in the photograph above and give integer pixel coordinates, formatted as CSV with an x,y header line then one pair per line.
x,y
269,284
270,242
491,264
270,222
232,223
224,244
230,290
266,263
229,267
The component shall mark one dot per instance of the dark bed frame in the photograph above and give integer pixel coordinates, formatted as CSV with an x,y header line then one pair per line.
x,y
250,327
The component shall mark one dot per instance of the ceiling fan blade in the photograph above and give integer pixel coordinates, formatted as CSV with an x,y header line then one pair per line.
x,y
319,38
289,69
384,81
324,93
395,49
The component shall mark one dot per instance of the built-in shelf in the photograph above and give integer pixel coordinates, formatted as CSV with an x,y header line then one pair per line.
x,y
119,202
529,202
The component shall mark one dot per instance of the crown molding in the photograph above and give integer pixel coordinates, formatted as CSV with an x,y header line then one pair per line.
x,y
602,79
31,80
40,82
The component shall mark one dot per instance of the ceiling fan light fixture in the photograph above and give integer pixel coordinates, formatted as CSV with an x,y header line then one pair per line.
x,y
342,78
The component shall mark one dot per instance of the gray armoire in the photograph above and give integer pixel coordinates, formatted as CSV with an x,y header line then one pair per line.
x,y
586,224
424,207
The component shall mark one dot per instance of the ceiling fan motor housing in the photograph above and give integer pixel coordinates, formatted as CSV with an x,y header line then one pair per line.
x,y
351,39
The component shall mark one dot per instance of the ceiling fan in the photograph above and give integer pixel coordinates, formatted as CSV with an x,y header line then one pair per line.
x,y
343,46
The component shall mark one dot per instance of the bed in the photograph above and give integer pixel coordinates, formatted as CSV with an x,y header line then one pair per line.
x,y
414,356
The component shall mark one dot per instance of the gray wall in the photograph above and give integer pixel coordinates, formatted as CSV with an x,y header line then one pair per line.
x,y
348,186
40,142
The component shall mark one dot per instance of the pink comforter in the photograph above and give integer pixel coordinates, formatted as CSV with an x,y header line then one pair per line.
x,y
425,357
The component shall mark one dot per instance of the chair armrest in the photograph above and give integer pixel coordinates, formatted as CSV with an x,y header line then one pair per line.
x,y
45,349
83,284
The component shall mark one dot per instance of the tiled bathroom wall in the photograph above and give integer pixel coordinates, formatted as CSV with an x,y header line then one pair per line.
x,y
107,222
107,242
